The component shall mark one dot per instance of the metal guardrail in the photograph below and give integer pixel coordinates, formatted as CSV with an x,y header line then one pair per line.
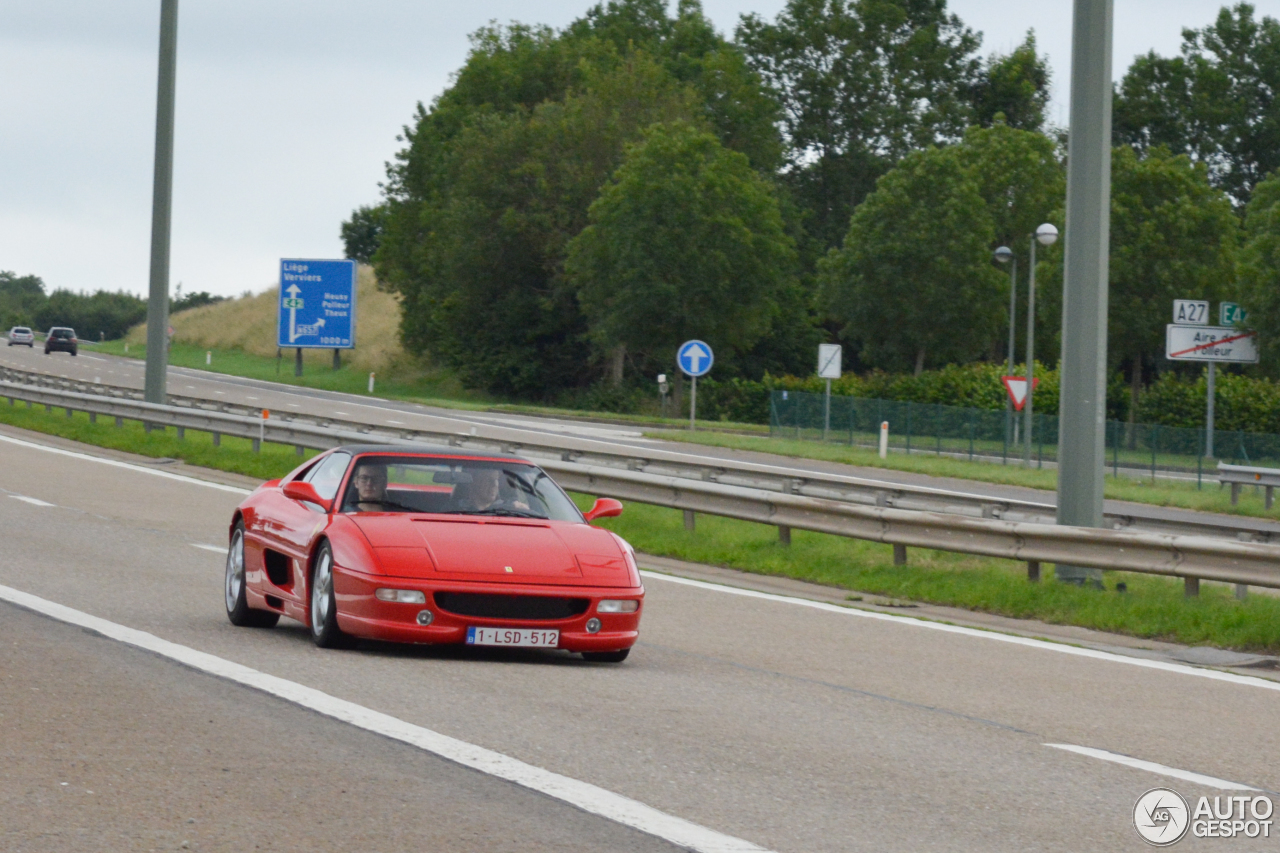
x,y
1247,475
848,489
1189,557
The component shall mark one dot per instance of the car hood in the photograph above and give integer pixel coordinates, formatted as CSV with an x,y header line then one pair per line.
x,y
495,550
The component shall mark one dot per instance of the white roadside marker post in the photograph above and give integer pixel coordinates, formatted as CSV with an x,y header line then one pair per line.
x,y
371,383
884,439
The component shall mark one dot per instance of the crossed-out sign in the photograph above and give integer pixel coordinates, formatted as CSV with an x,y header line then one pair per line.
x,y
1190,337
695,358
1017,388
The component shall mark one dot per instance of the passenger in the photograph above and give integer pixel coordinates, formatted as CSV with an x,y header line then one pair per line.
x,y
370,481
484,493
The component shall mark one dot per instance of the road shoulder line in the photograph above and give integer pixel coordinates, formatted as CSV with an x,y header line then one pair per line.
x,y
583,795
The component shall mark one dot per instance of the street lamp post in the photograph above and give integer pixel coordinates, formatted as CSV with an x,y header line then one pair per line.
x,y
1046,235
1004,255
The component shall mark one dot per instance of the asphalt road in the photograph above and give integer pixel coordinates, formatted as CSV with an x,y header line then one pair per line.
x,y
793,727
128,373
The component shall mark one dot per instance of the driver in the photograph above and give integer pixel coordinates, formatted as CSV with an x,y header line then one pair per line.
x,y
370,481
485,493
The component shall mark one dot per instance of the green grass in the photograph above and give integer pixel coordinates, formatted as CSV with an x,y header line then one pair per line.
x,y
1153,607
1172,493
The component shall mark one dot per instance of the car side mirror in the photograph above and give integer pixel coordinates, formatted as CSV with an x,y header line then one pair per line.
x,y
604,508
300,491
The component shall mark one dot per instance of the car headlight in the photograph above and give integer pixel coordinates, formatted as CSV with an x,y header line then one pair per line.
x,y
404,596
610,605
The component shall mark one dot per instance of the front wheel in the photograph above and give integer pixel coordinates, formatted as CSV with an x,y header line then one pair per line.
x,y
606,657
324,604
238,609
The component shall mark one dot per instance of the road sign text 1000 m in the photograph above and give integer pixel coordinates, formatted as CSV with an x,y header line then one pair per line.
x,y
317,304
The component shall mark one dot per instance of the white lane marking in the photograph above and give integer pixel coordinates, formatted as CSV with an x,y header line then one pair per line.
x,y
583,795
217,549
1152,767
344,414
398,423
1061,648
252,398
32,501
293,405
126,465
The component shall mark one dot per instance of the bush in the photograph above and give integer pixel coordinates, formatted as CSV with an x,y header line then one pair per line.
x,y
1240,402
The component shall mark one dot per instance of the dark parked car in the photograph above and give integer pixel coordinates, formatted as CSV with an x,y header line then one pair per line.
x,y
61,339
21,335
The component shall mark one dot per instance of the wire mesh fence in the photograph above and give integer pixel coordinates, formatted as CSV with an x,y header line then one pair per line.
x,y
998,436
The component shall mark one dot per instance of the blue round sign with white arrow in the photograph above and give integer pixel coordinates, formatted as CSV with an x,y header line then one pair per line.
x,y
695,358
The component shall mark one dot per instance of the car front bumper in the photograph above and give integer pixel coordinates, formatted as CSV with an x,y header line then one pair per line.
x,y
363,615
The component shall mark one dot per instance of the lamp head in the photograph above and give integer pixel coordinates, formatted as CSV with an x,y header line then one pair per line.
x,y
1004,254
1047,234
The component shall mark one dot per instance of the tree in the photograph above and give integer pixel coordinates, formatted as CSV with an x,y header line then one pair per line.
x,y
362,233
685,241
914,282
498,176
861,83
1173,236
1013,89
1260,268
20,296
93,316
1215,103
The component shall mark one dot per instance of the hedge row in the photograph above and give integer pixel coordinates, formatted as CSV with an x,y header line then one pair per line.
x,y
976,386
1240,402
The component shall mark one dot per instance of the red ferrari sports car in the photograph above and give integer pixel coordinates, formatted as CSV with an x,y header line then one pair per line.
x,y
427,545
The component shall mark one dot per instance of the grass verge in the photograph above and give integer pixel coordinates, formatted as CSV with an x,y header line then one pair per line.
x,y
1172,493
1153,607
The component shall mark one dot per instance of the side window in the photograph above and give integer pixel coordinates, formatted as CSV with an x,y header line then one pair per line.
x,y
327,476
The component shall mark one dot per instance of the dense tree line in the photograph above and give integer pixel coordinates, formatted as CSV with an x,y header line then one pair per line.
x,y
94,316
579,201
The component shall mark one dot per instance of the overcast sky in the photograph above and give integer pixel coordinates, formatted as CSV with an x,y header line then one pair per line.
x,y
287,112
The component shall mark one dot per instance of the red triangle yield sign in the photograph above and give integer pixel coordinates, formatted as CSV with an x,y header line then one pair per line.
x,y
1017,388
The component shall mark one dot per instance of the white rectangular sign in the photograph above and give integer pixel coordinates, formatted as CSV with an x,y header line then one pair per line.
x,y
1210,343
1190,312
829,356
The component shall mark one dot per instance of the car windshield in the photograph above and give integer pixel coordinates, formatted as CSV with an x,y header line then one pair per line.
x,y
455,487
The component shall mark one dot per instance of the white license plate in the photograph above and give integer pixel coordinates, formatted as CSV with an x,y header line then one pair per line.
x,y
534,638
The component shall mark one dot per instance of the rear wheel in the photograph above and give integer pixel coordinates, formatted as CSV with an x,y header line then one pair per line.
x,y
324,605
238,609
606,657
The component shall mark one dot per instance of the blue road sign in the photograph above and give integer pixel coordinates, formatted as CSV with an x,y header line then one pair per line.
x,y
695,358
317,304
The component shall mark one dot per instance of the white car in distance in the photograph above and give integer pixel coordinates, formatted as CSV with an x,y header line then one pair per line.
x,y
22,335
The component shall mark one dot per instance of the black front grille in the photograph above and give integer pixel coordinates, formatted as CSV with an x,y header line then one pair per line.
x,y
488,606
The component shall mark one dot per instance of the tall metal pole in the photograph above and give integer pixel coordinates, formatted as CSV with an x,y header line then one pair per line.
x,y
1031,356
161,205
1208,412
1013,333
1081,447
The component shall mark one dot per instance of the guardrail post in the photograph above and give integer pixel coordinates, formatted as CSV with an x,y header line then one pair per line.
x,y
784,534
93,417
1270,492
1242,591
48,407
1033,571
217,439
688,519
70,411
28,404
257,445
182,433
1235,493
899,555
119,421
298,448
1190,587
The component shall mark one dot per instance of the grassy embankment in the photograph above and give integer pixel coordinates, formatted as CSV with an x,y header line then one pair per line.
x,y
1153,607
